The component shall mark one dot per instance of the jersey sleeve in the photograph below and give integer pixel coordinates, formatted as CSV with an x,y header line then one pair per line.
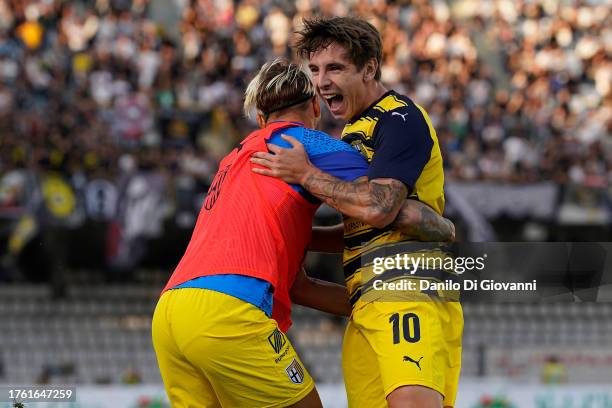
x,y
347,166
332,156
402,146
328,154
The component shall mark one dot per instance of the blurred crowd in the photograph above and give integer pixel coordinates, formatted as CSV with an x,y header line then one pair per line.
x,y
131,103
553,119
518,90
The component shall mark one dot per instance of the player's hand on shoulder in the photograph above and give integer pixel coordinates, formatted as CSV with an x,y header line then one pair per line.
x,y
288,164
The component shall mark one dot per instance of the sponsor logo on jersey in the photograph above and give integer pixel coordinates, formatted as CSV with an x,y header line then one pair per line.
x,y
399,114
416,362
277,340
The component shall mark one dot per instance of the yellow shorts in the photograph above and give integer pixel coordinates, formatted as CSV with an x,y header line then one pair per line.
x,y
215,350
391,344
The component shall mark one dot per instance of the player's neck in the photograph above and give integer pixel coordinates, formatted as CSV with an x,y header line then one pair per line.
x,y
291,117
374,91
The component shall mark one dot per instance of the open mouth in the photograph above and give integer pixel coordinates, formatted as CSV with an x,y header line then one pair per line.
x,y
333,101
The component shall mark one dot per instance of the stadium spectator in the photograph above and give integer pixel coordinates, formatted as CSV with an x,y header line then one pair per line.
x,y
539,82
554,371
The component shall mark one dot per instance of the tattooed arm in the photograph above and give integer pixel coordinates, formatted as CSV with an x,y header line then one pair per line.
x,y
422,222
376,202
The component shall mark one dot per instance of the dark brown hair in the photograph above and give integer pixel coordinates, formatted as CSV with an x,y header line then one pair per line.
x,y
360,38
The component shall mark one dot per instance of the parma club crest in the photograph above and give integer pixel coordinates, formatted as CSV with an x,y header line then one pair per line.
x,y
295,372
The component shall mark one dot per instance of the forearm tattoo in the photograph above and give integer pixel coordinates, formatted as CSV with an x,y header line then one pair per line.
x,y
414,218
345,197
422,222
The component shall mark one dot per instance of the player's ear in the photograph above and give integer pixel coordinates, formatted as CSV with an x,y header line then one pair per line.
x,y
369,70
261,120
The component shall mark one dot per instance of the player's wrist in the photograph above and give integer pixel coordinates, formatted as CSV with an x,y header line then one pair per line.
x,y
307,174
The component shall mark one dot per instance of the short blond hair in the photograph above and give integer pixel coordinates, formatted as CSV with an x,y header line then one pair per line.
x,y
278,85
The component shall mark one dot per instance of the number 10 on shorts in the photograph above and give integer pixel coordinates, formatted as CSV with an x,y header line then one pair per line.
x,y
410,326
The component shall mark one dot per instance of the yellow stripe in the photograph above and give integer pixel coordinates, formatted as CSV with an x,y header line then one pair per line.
x,y
388,237
425,254
357,229
363,126
389,103
349,255
360,133
429,187
369,153
353,283
349,252
349,279
385,238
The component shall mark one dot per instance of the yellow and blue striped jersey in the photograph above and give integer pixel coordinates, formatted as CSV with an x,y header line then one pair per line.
x,y
397,138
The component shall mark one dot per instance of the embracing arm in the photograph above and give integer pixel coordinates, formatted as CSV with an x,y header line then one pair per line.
x,y
415,219
380,204
422,222
325,296
377,202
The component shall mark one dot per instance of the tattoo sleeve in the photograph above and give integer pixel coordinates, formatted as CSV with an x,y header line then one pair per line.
x,y
374,202
379,203
420,221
